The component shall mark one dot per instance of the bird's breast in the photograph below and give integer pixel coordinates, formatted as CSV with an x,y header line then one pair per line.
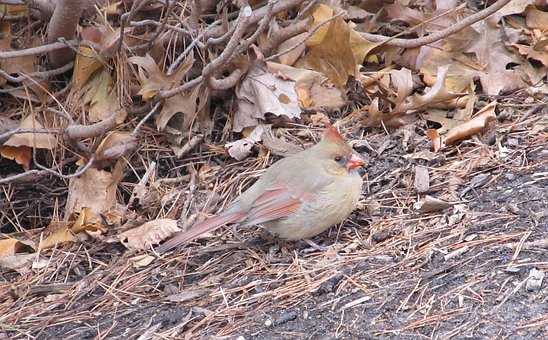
x,y
330,206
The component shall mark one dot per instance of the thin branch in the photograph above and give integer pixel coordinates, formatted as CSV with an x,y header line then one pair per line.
x,y
433,37
226,55
227,82
39,75
182,56
38,50
284,34
4,136
274,56
78,131
145,118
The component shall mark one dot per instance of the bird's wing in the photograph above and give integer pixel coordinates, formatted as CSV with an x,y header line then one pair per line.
x,y
276,202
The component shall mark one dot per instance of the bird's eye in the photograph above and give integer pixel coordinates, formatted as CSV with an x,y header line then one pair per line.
x,y
338,158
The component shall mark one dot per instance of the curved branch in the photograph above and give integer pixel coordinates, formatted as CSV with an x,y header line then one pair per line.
x,y
78,131
413,43
63,24
226,55
227,82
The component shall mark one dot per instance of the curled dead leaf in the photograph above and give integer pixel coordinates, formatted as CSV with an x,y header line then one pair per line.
x,y
434,136
94,189
473,126
148,234
86,63
332,55
20,263
12,246
431,204
153,79
262,92
240,149
116,145
56,233
32,140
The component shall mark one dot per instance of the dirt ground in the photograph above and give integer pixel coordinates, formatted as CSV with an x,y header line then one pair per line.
x,y
391,271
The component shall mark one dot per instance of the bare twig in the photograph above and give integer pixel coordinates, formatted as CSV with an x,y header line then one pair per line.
x,y
145,118
78,131
433,37
307,36
4,136
162,26
283,34
39,75
226,55
37,50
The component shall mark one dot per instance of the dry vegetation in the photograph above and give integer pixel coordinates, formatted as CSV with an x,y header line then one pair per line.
x,y
124,122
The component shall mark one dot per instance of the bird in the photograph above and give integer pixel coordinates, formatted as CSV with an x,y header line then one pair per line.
x,y
296,198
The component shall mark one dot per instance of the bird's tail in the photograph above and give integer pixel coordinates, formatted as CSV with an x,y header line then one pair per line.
x,y
211,224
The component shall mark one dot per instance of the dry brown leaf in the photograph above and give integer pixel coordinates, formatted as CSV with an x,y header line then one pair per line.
x,y
535,18
431,204
332,55
397,11
100,95
434,136
11,246
37,140
153,79
88,221
495,57
94,189
262,92
513,7
473,126
187,104
17,65
278,146
57,232
310,86
241,148
22,155
148,234
321,14
141,260
115,145
361,47
530,52
460,72
291,57
403,82
438,93
20,263
85,64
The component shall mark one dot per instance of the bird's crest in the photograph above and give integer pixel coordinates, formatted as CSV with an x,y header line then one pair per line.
x,y
332,134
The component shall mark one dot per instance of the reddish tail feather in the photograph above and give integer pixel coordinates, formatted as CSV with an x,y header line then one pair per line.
x,y
198,229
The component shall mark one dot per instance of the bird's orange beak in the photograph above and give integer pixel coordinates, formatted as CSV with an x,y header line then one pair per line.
x,y
354,162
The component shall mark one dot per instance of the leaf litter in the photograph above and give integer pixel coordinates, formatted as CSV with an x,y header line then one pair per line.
x,y
448,170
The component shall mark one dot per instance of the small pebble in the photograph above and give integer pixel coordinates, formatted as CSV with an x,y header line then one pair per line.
x,y
268,323
512,269
534,281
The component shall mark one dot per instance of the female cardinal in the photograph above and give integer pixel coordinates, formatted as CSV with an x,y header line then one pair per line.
x,y
298,197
